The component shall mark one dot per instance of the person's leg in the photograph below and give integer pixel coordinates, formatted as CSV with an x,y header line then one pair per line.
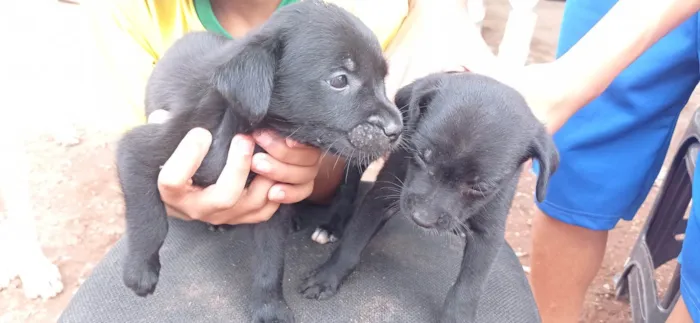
x,y
687,310
680,313
565,259
611,152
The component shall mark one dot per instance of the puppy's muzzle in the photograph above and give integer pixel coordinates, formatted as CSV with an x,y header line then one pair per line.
x,y
377,136
431,219
426,215
391,128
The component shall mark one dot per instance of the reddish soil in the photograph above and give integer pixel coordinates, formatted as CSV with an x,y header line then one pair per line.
x,y
77,200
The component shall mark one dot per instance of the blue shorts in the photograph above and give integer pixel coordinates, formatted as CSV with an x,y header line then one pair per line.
x,y
612,149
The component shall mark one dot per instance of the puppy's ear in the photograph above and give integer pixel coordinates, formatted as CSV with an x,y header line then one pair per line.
x,y
414,98
246,78
547,155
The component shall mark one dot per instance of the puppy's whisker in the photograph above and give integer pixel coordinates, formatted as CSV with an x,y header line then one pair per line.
x,y
347,171
391,183
391,189
337,158
401,183
293,132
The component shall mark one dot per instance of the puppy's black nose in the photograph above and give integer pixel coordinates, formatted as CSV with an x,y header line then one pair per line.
x,y
390,128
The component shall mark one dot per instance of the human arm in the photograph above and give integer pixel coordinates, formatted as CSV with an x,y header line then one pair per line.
x,y
556,90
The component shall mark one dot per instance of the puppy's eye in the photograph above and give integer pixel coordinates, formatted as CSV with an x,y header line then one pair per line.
x,y
478,188
339,82
475,189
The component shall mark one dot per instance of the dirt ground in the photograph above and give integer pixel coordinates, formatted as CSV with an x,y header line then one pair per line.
x,y
77,200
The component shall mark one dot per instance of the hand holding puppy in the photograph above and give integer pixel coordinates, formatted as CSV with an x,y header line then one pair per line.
x,y
286,175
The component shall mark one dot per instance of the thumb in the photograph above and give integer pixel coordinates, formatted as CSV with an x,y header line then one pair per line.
x,y
185,160
232,180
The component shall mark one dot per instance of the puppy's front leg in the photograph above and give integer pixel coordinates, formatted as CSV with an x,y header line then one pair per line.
x,y
341,208
270,238
483,241
146,218
367,220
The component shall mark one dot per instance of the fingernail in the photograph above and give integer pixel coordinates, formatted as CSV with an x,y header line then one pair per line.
x,y
263,137
276,194
244,146
261,164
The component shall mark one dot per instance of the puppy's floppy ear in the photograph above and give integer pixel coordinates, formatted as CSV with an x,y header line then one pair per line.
x,y
414,98
543,149
246,78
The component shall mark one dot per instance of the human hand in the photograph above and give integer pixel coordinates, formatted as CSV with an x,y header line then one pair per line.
x,y
286,175
227,201
293,166
546,90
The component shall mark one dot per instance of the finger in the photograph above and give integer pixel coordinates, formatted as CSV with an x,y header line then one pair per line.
x,y
277,147
185,160
252,198
255,196
288,194
269,167
262,215
228,187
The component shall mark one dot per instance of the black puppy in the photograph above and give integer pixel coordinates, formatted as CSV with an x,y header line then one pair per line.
x,y
469,137
313,72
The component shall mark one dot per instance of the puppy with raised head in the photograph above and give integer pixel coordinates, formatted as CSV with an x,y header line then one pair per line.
x,y
469,137
312,72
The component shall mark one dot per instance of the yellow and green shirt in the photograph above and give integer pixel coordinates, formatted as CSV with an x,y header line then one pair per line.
x,y
133,34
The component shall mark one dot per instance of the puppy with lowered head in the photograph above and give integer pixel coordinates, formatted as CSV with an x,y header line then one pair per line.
x,y
312,72
469,137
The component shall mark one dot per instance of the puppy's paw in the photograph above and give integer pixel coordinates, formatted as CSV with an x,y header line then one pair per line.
x,y
275,312
322,236
322,284
41,278
141,276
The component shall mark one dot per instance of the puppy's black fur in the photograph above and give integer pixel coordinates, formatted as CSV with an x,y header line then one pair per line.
x,y
313,72
469,137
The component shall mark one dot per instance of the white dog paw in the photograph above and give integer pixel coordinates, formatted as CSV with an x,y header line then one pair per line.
x,y
321,236
41,279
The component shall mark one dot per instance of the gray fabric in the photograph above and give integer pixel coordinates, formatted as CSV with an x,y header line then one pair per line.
x,y
403,277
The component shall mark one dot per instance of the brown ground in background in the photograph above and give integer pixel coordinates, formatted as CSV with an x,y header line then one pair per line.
x,y
78,202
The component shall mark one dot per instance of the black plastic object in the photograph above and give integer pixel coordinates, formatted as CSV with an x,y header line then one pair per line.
x,y
661,239
403,277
